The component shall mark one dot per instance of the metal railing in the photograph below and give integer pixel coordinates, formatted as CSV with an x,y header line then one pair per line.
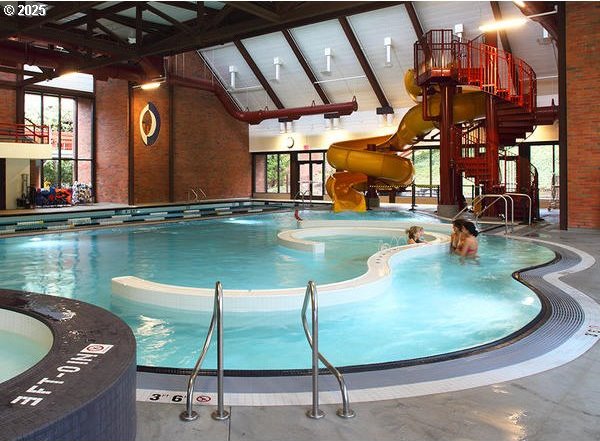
x,y
217,318
440,54
24,133
313,341
496,198
523,195
197,192
302,196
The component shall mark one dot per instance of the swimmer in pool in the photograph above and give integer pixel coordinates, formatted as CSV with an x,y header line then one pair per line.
x,y
468,245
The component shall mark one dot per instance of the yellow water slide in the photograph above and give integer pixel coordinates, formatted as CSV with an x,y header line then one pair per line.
x,y
354,163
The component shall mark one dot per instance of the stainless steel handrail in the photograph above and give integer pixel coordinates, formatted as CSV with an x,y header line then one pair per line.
x,y
522,195
313,341
512,211
302,195
496,197
217,318
195,192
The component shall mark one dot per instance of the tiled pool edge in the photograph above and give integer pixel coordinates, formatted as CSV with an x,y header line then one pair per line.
x,y
201,299
84,388
453,375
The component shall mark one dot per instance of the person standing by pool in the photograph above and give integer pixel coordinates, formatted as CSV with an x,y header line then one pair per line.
x,y
468,245
455,237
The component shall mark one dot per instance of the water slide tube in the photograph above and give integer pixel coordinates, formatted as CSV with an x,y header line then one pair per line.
x,y
354,163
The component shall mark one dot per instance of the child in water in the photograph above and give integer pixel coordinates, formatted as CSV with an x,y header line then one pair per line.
x,y
455,237
415,235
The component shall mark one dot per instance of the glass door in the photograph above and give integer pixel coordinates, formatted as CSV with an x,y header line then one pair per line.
x,y
311,174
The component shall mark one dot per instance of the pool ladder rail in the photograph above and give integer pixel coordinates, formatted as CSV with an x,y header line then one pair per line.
x,y
313,340
506,198
217,319
197,192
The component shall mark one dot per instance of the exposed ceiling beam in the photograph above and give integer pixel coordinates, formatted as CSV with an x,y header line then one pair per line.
x,y
78,39
216,34
416,24
139,32
549,22
168,18
254,9
98,13
283,7
221,15
200,15
183,5
13,70
303,15
56,13
502,33
108,32
364,63
258,74
147,26
309,73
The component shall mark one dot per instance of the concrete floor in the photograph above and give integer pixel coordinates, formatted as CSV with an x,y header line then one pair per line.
x,y
561,404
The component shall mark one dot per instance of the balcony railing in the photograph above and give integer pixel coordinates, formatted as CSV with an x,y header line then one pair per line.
x,y
442,57
24,133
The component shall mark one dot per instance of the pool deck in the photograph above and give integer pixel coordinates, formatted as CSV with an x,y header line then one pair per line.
x,y
559,404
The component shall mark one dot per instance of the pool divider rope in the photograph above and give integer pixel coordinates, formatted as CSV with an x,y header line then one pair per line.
x,y
313,341
217,317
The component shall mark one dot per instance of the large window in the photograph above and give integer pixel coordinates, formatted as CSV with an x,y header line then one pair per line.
x,y
272,173
544,157
69,120
426,160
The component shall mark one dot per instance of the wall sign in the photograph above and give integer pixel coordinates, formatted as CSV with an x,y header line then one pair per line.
x,y
149,124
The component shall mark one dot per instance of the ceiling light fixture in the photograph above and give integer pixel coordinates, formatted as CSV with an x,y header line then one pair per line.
x,y
513,22
519,3
387,43
151,85
327,53
232,71
277,62
503,24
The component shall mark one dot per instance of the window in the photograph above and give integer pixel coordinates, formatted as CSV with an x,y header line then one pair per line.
x,y
272,173
545,159
69,120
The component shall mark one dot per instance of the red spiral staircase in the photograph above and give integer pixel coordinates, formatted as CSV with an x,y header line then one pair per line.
x,y
442,60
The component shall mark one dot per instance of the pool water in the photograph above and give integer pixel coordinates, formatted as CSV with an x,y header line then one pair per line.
x,y
434,304
18,353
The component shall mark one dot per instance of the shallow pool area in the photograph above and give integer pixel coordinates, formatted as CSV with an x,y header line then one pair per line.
x,y
433,303
24,341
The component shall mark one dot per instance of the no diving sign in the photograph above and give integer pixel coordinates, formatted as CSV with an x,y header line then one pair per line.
x,y
96,348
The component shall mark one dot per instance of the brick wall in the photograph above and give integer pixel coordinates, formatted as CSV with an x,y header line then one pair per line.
x,y
84,139
112,141
583,123
211,148
8,98
151,163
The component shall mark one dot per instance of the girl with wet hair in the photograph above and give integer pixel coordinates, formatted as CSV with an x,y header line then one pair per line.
x,y
456,233
468,246
414,234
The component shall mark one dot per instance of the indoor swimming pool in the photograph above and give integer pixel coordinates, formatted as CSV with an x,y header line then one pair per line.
x,y
434,304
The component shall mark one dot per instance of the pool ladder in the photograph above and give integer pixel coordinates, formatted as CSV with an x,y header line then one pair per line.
x,y
217,318
197,192
313,340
